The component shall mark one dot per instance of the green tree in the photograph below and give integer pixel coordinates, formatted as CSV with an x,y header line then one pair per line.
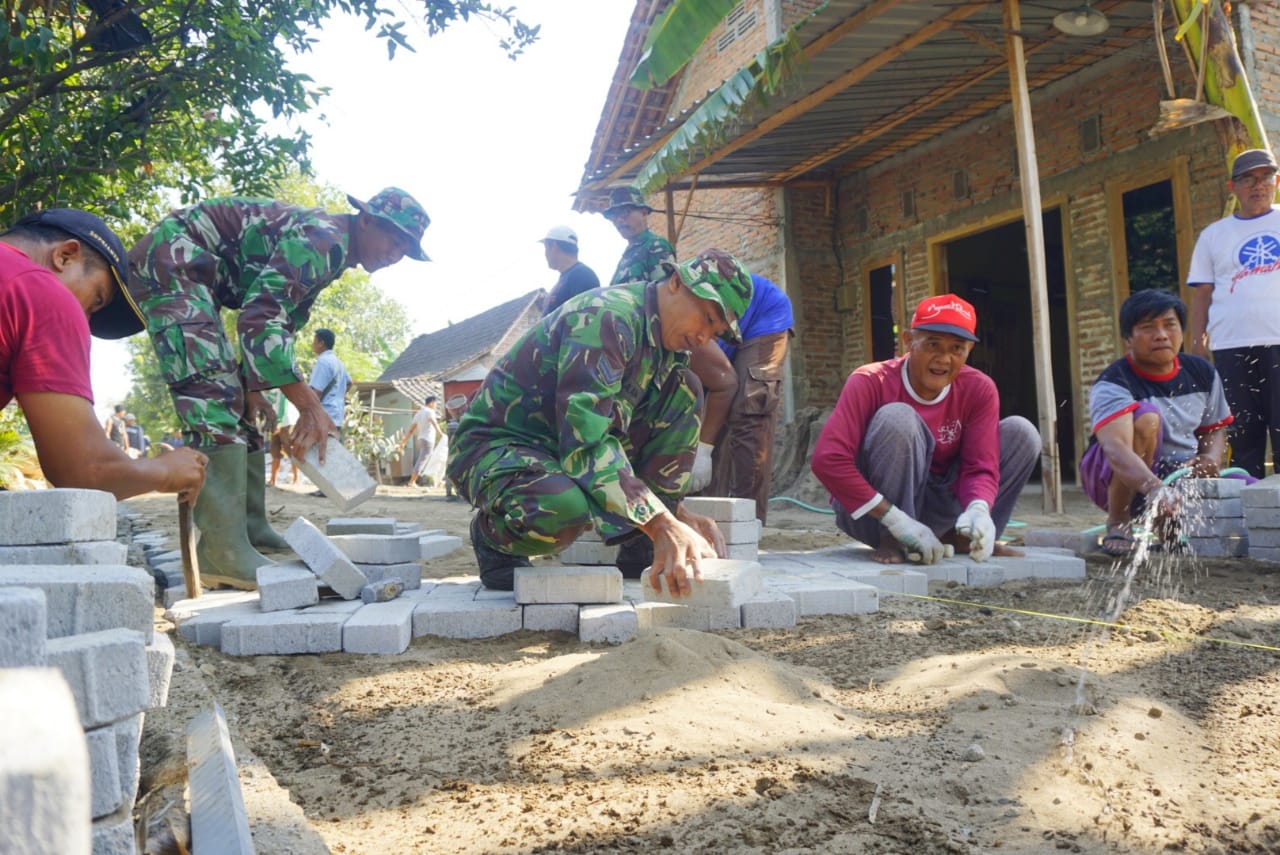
x,y
125,103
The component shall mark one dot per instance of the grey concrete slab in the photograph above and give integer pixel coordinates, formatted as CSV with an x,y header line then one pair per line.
x,y
160,657
107,673
287,585
29,517
380,628
113,834
114,766
608,624
379,548
342,478
200,620
458,617
23,628
360,525
89,597
725,585
437,545
410,573
589,552
325,559
721,509
284,633
218,819
545,583
82,552
769,610
551,617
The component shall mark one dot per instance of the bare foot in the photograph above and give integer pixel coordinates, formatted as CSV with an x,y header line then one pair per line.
x,y
1002,551
889,555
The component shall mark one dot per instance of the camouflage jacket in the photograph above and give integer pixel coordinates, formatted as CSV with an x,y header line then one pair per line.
x,y
271,261
571,388
642,259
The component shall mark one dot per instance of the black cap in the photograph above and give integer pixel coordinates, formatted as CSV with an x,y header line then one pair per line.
x,y
1254,158
120,317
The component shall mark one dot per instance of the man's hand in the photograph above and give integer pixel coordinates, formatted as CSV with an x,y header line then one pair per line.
x,y
915,536
312,427
1203,466
976,524
258,411
677,549
704,526
185,470
701,467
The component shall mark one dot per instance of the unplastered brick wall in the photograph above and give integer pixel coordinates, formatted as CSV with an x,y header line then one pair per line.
x,y
715,61
1264,26
746,223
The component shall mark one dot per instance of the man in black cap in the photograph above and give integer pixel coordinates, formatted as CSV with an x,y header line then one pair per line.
x,y
1235,307
62,274
642,260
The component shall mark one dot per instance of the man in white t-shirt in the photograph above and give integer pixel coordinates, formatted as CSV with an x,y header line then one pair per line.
x,y
1235,307
426,430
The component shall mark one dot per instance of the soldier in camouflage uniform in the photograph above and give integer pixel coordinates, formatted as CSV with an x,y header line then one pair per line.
x,y
642,260
592,418
269,261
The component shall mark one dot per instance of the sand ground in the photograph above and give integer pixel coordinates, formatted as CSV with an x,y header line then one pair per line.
x,y
974,722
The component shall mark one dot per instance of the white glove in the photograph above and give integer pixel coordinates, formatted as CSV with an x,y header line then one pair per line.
x,y
701,467
976,524
914,535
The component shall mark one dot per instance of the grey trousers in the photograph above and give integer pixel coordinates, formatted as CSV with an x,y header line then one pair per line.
x,y
895,455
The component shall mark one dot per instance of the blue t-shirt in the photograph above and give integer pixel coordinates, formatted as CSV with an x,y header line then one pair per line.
x,y
328,367
768,312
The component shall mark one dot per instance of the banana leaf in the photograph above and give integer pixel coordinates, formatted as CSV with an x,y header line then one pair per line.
x,y
675,37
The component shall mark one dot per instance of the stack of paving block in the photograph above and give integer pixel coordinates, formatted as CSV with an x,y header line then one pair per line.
x,y
1261,503
736,519
94,624
1213,518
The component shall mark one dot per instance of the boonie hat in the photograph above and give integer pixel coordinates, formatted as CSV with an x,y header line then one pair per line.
x,y
561,233
717,276
946,313
120,317
626,197
1247,161
402,211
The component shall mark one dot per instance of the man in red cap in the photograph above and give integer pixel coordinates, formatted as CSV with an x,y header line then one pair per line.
x,y
915,453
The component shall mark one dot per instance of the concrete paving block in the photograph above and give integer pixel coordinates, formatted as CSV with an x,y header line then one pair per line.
x,y
342,478
487,594
1206,526
83,598
1264,553
725,585
200,620
107,673
30,517
457,617
83,552
408,528
165,557
846,598
325,559
437,545
113,834
741,532
1262,517
382,591
888,580
984,575
565,584
950,570
23,629
333,606
410,573
382,628
462,587
1212,488
219,822
379,548
610,624
1216,508
722,510
1263,494
669,615
287,585
44,765
113,764
590,535
1076,541
742,551
1219,547
589,553
1264,537
551,617
360,525
1045,564
769,610
160,656
284,633
169,596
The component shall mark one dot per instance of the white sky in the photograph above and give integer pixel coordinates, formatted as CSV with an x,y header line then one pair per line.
x,y
493,148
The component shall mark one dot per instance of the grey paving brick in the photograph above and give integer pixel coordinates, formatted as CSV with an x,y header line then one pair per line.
x,y
360,525
169,596
721,509
1264,553
1263,494
200,620
1046,564
551,617
379,548
1212,488
740,532
1262,517
113,834
342,478
1264,537
165,557
107,673
769,610
465,587
1219,547
284,633
725,585
437,545
611,624
1076,541
219,822
487,594
1205,526
325,559
843,598
89,597
408,528
888,580
22,628
589,535
382,591
656,615
458,617
384,628
334,606
287,585
30,517
565,584
113,764
410,573
160,656
83,552
44,765
947,570
589,552
742,551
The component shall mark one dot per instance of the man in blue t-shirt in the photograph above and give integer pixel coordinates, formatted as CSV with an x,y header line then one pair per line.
x,y
329,376
1153,411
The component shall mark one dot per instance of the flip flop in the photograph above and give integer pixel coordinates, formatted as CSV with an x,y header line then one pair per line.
x,y
1116,544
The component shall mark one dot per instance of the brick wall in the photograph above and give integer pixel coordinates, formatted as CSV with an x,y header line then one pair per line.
x,y
1264,20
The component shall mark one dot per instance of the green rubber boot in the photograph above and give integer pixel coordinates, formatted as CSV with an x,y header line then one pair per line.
x,y
226,556
261,534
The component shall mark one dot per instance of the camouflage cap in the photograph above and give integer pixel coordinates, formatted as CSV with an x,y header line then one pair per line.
x,y
717,276
402,211
626,197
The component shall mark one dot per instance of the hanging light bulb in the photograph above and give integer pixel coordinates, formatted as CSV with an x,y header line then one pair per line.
x,y
1081,21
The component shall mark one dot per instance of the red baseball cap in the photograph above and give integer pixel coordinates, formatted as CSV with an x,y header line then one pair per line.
x,y
946,313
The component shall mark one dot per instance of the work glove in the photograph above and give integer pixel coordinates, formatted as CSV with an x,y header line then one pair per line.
x,y
701,467
914,535
976,524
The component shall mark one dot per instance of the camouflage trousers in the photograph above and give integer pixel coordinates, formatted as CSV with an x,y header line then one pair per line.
x,y
527,504
197,359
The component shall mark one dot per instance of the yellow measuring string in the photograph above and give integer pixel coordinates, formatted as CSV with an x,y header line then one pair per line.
x,y
1163,632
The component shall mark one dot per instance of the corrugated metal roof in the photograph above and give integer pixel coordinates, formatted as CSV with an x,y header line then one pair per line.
x,y
881,77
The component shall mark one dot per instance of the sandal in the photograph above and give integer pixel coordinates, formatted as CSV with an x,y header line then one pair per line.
x,y
1116,543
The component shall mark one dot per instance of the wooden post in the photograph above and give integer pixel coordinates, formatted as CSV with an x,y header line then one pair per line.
x,y
1029,173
